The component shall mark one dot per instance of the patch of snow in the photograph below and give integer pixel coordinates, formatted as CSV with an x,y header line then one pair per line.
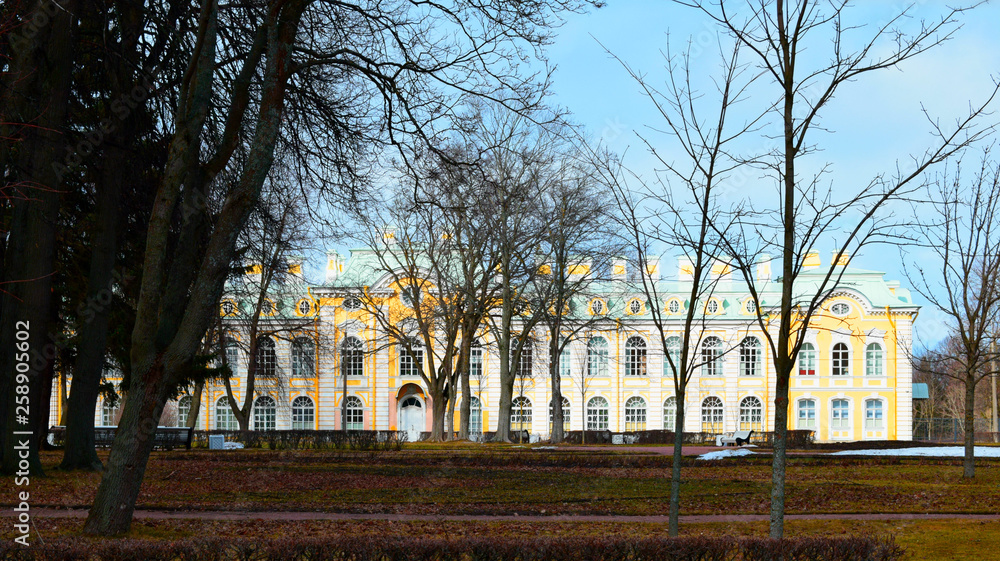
x,y
727,453
935,451
232,446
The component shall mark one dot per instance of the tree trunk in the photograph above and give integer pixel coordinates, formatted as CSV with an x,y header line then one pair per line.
x,y
503,411
192,420
673,522
969,462
439,406
779,460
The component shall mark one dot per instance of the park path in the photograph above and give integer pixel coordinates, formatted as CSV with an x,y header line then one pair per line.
x,y
39,513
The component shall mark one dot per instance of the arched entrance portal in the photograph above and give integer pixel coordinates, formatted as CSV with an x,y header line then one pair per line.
x,y
412,416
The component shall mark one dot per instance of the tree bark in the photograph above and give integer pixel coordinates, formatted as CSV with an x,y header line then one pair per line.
x,y
673,520
969,461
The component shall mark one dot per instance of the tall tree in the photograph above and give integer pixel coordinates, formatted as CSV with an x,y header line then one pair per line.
x,y
777,33
964,286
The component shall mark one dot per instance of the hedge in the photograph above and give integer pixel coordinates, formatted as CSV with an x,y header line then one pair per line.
x,y
388,548
309,439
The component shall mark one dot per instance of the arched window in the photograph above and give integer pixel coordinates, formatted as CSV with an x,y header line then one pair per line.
x,y
476,360
411,361
751,413
807,360
597,414
711,415
565,360
841,414
565,414
711,356
525,363
355,413
224,418
520,413
265,413
674,351
840,365
635,356
303,357
635,414
109,414
233,358
873,415
475,416
873,360
183,410
807,414
669,413
750,357
352,357
303,413
267,360
597,356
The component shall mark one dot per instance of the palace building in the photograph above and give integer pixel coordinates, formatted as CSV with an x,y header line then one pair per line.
x,y
853,380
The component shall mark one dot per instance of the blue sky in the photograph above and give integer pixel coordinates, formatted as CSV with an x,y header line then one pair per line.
x,y
876,121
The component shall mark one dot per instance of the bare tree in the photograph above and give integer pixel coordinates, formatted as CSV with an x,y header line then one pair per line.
x,y
776,34
964,284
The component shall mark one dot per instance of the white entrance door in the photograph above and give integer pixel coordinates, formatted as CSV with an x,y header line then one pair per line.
x,y
411,418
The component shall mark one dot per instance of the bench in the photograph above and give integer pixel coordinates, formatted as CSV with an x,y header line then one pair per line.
x,y
739,438
166,438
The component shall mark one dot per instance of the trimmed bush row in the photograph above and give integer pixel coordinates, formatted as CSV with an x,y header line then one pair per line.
x,y
386,548
383,440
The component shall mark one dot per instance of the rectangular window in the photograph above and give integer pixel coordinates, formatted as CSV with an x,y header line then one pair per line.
x,y
476,362
411,362
807,414
841,415
873,415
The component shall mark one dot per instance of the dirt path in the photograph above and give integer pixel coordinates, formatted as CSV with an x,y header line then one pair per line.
x,y
690,519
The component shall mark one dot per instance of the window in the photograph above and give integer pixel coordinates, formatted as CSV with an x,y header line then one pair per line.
x,y
352,303
411,361
476,360
109,414
807,360
635,414
565,361
750,306
635,356
807,414
670,413
711,415
597,307
711,356
674,350
525,362
265,413
841,414
267,360
520,414
355,413
674,306
840,366
305,307
873,414
712,307
751,413
597,356
475,416
634,306
303,357
840,309
409,295
597,414
233,358
873,360
303,413
352,357
228,307
268,307
750,357
565,415
224,418
183,410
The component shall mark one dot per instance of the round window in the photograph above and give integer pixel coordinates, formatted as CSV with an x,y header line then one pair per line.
x,y
305,306
352,303
596,307
635,306
713,306
840,309
751,306
267,307
674,306
228,308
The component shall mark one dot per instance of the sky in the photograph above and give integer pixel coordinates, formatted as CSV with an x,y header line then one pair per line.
x,y
874,123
